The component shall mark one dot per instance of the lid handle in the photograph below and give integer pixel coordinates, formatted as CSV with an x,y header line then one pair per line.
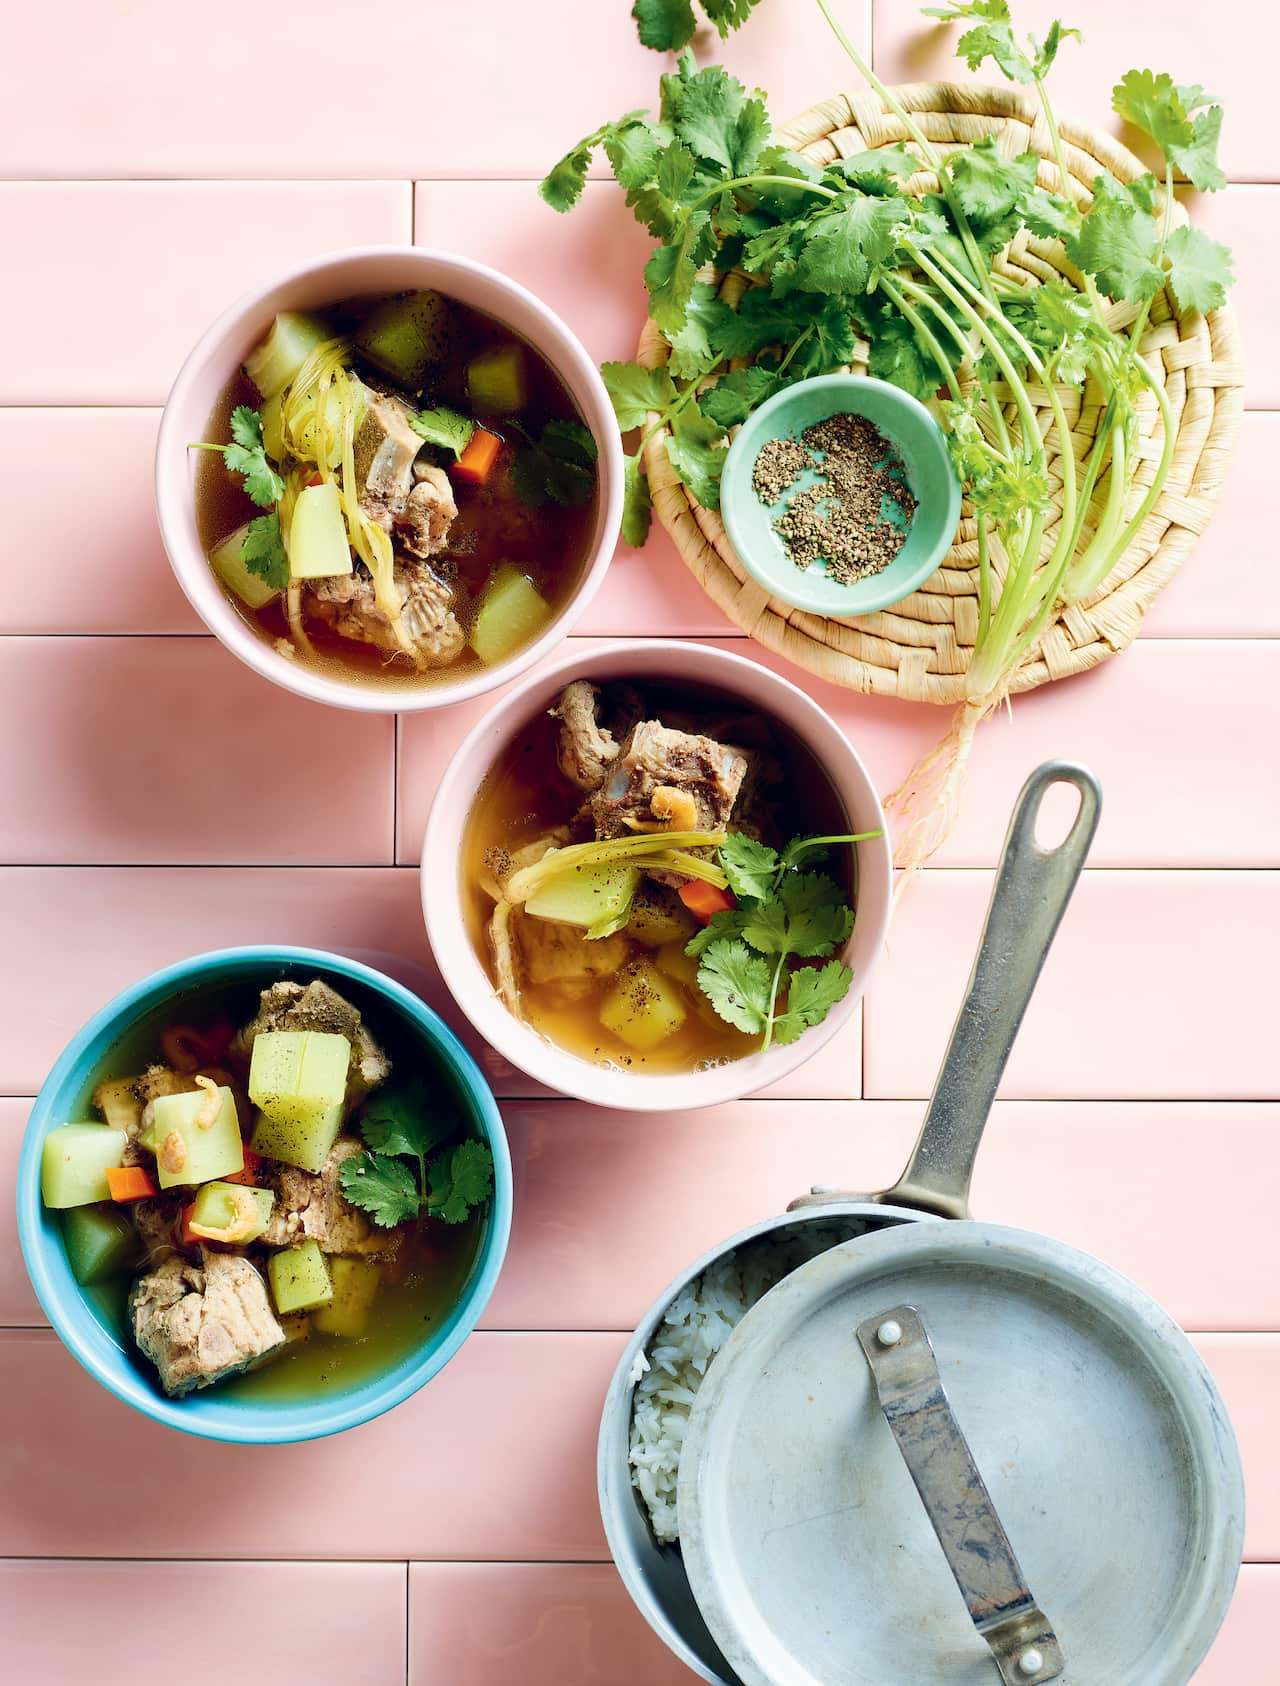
x,y
1030,895
971,1535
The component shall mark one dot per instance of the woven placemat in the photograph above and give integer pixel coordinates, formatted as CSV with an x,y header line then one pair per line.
x,y
920,648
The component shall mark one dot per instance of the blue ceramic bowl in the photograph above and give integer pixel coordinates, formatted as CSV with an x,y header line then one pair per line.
x,y
98,1345
920,442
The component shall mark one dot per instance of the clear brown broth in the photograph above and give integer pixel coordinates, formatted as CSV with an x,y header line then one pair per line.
x,y
493,526
525,796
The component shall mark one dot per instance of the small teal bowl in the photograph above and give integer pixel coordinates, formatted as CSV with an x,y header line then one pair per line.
x,y
920,441
98,1346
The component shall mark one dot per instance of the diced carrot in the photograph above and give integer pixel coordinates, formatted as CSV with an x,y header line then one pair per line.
x,y
477,460
130,1182
249,1174
703,899
186,1238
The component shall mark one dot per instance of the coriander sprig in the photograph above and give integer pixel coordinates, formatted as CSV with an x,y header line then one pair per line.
x,y
408,1170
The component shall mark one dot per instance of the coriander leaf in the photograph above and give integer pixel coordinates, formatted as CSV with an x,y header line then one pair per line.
x,y
1162,109
632,147
1044,56
728,924
557,467
403,1119
247,455
693,449
749,865
760,320
818,919
562,186
845,245
812,991
992,36
728,14
676,169
1197,158
459,1179
881,171
671,271
714,117
736,982
732,399
263,552
1117,242
636,505
635,391
1199,269
692,352
384,1188
988,185
896,355
449,429
664,25
1048,215
765,927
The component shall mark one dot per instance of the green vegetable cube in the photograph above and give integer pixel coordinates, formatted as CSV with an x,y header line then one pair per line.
x,y
189,1151
231,1212
511,611
355,1284
272,365
683,967
73,1169
299,1278
100,1244
231,568
585,895
496,382
406,336
318,545
644,1007
304,1142
273,428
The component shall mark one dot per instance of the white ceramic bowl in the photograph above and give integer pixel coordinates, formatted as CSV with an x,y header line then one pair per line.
x,y
443,897
338,275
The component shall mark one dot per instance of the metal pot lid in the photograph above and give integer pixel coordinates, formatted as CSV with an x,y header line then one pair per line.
x,y
1104,1445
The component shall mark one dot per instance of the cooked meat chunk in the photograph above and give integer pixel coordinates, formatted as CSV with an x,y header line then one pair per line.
x,y
656,769
586,750
314,1208
423,528
349,604
200,1323
288,1006
385,449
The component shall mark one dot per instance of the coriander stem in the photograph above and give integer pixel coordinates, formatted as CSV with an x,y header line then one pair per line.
x,y
926,334
798,847
1060,159
984,579
1139,326
773,998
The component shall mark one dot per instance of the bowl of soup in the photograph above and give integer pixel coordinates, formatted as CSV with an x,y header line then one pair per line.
x,y
264,1195
389,480
657,876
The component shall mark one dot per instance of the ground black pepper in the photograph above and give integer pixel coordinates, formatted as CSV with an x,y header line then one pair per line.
x,y
857,515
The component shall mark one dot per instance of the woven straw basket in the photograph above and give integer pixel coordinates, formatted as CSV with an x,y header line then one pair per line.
x,y
919,649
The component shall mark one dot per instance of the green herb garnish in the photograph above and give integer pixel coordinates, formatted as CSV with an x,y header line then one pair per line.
x,y
406,1172
247,455
669,24
785,912
449,429
263,551
559,466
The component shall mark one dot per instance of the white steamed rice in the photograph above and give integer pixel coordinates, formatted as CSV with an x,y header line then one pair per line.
x,y
697,1324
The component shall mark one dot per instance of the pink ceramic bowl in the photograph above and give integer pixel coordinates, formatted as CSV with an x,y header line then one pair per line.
x,y
371,269
443,901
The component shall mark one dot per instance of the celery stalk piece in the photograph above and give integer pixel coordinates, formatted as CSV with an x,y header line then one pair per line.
x,y
511,611
273,428
187,1149
496,382
299,1278
100,1244
355,1285
585,897
644,1007
233,571
301,1141
318,547
75,1161
231,1212
274,363
405,337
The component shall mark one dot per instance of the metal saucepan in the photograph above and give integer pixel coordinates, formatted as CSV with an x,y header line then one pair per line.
x,y
1032,888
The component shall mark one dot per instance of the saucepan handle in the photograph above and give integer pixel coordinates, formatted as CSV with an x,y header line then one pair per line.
x,y
973,1540
1032,888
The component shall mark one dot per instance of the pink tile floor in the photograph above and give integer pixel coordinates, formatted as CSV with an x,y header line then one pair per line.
x,y
152,166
